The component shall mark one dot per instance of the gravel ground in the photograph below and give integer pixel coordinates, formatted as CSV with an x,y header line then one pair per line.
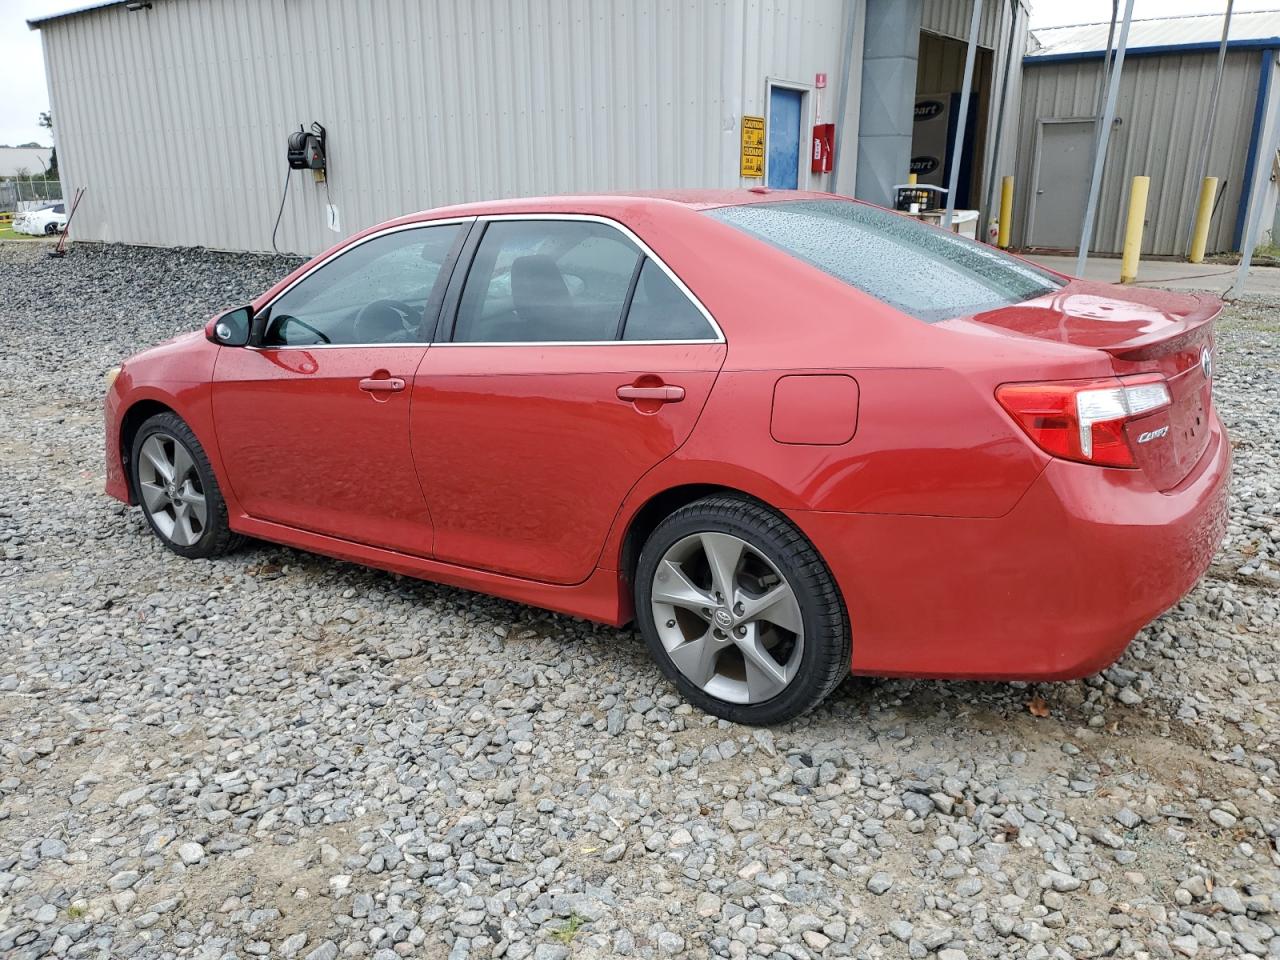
x,y
281,755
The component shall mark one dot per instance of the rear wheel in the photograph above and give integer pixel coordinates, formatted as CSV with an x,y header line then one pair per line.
x,y
740,612
178,491
50,229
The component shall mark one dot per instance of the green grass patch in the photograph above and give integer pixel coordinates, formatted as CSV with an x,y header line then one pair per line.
x,y
6,233
571,926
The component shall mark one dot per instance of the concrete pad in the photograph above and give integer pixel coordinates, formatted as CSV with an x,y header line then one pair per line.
x,y
1171,274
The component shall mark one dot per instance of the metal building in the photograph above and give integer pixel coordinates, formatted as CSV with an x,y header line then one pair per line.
x,y
1161,120
174,114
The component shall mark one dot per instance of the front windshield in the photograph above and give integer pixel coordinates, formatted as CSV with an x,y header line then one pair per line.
x,y
922,271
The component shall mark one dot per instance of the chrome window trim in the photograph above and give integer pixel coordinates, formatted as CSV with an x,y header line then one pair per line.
x,y
622,228
564,343
416,225
645,250
336,346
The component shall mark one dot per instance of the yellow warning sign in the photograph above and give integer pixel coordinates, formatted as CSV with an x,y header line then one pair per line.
x,y
752,146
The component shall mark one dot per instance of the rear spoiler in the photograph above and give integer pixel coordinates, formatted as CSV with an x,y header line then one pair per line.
x,y
1194,327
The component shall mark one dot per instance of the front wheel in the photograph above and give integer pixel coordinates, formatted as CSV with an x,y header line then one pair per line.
x,y
178,491
740,611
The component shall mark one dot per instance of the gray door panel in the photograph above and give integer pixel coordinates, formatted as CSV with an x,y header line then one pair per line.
x,y
1062,184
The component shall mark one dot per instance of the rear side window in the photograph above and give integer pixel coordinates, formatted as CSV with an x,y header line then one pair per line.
x,y
922,271
570,281
546,281
661,311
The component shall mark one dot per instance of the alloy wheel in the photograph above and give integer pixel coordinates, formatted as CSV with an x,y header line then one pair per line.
x,y
727,617
170,488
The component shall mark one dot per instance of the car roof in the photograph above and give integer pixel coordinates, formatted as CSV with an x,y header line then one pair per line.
x,y
609,204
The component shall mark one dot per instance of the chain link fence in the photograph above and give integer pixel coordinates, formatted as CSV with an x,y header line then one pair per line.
x,y
22,194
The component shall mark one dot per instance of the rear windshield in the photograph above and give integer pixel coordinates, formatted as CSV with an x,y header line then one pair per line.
x,y
921,270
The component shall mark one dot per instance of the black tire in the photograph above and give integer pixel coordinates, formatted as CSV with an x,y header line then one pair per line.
x,y
50,229
823,661
214,535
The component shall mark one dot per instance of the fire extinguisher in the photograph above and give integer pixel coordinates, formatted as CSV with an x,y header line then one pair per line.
x,y
824,139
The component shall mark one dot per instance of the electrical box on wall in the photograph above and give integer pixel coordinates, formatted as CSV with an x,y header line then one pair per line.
x,y
824,145
307,150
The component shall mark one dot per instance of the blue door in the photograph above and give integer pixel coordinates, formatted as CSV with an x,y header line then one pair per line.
x,y
784,138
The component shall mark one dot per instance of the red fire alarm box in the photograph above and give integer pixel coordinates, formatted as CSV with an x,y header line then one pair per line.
x,y
824,145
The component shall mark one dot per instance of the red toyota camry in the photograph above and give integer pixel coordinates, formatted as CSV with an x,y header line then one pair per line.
x,y
791,435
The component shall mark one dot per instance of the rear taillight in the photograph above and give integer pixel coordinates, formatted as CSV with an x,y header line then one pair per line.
x,y
1084,419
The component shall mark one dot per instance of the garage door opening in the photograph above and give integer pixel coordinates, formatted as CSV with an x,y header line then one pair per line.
x,y
939,81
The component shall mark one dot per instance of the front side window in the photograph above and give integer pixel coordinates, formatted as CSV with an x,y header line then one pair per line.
x,y
379,292
922,271
546,281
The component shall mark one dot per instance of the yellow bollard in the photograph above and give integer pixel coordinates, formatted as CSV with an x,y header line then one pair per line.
x,y
1006,213
1204,213
912,179
1133,229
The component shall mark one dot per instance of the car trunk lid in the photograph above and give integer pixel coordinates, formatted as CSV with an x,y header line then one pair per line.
x,y
1144,332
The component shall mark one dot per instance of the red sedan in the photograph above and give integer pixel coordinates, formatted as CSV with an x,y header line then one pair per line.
x,y
791,435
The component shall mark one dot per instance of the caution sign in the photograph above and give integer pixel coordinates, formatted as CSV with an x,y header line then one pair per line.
x,y
752,147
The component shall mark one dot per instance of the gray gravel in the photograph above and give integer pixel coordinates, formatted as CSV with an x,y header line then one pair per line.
x,y
280,755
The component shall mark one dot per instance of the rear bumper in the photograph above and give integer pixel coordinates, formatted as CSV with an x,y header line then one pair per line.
x,y
1055,589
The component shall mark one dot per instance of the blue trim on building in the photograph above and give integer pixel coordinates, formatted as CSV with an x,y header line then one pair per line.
x,y
1260,43
1255,142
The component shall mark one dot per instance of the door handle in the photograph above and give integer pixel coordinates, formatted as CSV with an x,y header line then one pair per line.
x,y
662,394
382,384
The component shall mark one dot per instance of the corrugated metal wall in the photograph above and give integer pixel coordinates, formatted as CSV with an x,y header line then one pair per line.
x,y
1268,200
949,18
1162,106
175,118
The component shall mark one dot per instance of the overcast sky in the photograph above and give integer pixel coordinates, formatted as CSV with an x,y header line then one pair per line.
x,y
25,94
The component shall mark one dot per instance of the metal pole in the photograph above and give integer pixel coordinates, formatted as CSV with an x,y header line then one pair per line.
x,y
1005,232
1204,215
1105,75
1133,229
1202,165
1100,155
842,100
1004,97
958,144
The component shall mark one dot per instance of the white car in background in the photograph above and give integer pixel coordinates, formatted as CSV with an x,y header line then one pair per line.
x,y
45,221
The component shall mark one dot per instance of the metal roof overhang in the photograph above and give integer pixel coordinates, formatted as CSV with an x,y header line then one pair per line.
x,y
1253,43
35,23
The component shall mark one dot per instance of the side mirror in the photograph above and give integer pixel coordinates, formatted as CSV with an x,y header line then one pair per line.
x,y
232,328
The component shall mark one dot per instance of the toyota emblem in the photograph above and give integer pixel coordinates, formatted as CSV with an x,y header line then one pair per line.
x,y
1206,363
